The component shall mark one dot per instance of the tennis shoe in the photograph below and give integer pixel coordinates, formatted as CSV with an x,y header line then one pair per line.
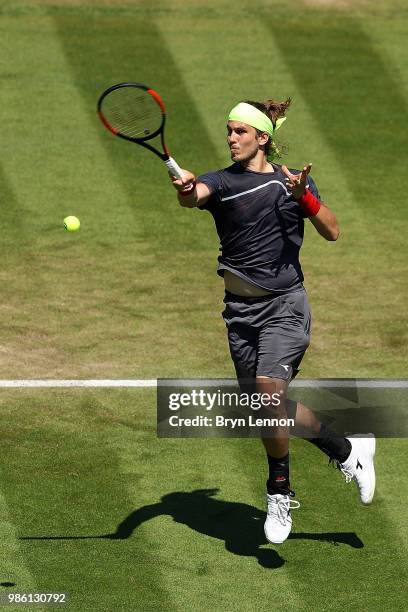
x,y
359,466
278,522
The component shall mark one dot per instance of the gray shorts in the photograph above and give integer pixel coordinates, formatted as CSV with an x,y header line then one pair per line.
x,y
267,335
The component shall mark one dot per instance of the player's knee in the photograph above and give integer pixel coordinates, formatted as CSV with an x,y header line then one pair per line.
x,y
272,392
271,385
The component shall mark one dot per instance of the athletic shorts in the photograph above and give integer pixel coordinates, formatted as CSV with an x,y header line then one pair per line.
x,y
267,335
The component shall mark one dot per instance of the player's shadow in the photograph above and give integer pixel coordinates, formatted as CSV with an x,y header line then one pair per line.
x,y
239,525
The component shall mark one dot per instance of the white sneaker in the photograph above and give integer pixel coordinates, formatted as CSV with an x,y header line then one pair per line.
x,y
359,466
279,521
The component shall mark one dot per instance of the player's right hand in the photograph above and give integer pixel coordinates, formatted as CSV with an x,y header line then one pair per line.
x,y
183,183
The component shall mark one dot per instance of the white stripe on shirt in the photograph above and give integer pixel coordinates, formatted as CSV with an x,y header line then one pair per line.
x,y
237,195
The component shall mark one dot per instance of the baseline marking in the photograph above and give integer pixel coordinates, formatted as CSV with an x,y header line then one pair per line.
x,y
151,383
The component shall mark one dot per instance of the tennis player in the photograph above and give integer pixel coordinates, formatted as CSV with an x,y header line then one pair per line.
x,y
259,208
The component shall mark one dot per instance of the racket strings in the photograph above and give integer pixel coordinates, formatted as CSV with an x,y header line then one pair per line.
x,y
131,123
132,113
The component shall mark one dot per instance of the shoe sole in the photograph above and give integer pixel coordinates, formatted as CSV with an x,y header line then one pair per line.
x,y
371,455
272,542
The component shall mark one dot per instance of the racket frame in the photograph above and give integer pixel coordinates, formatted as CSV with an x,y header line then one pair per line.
x,y
165,156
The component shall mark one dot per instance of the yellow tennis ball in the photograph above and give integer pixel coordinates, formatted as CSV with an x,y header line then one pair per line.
x,y
72,224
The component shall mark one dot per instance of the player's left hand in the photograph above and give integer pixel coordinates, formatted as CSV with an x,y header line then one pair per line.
x,y
297,183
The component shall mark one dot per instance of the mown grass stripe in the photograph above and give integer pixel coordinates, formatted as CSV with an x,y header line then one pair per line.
x,y
353,99
12,217
43,179
67,493
13,567
132,48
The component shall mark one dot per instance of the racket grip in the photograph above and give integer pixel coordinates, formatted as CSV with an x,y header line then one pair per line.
x,y
174,168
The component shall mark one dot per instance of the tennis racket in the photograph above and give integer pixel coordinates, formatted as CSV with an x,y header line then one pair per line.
x,y
137,113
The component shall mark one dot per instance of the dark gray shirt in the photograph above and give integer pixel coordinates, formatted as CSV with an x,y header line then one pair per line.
x,y
260,225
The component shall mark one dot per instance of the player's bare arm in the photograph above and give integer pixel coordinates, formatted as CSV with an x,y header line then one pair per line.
x,y
190,193
325,223
324,220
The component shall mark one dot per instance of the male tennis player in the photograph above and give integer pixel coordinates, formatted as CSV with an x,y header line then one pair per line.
x,y
259,209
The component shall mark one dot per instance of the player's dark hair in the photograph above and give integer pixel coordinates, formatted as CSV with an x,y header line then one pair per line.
x,y
274,110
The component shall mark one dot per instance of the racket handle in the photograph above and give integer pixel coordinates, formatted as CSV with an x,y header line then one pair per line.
x,y
174,168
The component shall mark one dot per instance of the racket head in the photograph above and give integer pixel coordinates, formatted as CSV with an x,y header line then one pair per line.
x,y
132,111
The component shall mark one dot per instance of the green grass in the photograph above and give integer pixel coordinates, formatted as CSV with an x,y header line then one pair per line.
x,y
80,465
134,294
89,304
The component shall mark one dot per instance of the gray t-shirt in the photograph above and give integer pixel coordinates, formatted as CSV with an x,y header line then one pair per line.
x,y
260,225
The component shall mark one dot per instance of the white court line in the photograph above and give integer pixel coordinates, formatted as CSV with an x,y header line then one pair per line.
x,y
128,383
79,383
361,383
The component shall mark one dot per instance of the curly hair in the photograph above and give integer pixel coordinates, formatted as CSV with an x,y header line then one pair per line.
x,y
274,110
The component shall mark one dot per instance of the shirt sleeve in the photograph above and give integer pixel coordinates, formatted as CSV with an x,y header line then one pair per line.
x,y
212,180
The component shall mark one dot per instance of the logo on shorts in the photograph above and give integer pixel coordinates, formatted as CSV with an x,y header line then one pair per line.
x,y
285,366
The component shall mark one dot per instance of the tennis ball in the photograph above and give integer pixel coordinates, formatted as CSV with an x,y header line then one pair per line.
x,y
72,224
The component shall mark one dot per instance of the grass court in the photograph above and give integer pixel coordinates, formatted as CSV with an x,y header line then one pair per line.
x,y
134,295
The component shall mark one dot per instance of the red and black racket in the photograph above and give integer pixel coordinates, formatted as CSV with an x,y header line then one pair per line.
x,y
137,113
